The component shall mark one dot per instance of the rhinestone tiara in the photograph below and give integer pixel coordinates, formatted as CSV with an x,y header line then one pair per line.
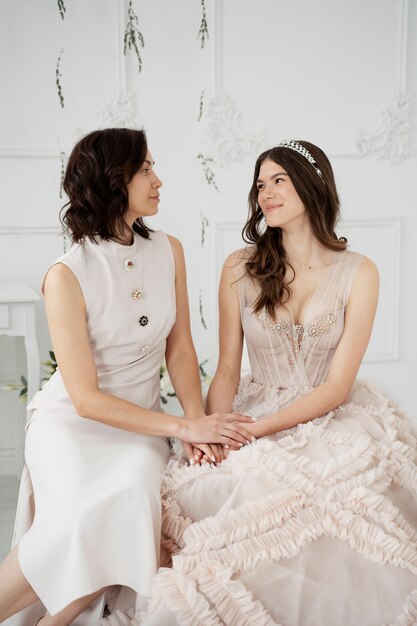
x,y
297,147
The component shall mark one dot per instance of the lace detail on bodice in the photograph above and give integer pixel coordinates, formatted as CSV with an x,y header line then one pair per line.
x,y
283,353
295,333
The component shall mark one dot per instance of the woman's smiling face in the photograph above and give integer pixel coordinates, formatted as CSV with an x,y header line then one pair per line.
x,y
277,197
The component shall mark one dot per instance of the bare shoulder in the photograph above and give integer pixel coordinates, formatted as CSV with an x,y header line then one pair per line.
x,y
238,257
365,287
178,254
368,272
62,289
234,269
176,245
60,276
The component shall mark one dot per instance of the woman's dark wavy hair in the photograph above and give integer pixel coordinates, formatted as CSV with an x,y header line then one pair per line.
x,y
268,264
99,169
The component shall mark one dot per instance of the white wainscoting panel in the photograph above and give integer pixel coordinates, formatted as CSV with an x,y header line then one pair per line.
x,y
380,240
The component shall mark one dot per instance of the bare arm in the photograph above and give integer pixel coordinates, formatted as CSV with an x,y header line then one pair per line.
x,y
224,384
66,314
359,318
182,365
180,355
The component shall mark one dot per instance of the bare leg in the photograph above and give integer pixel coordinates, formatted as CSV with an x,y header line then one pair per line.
x,y
16,594
15,591
68,615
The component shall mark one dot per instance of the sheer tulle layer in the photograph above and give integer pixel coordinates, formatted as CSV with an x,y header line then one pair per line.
x,y
314,525
323,511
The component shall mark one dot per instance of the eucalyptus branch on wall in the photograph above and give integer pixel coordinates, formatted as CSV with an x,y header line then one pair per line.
x,y
204,225
61,8
201,106
66,241
203,32
133,38
58,77
200,303
208,172
63,159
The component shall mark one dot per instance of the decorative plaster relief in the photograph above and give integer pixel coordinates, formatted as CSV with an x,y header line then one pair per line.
x,y
117,112
392,139
228,141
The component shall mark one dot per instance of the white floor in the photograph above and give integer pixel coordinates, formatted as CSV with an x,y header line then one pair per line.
x,y
9,486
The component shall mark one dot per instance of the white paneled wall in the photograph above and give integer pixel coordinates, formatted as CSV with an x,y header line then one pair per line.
x,y
342,74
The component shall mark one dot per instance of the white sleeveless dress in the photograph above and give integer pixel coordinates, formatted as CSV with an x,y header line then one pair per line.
x,y
313,526
96,488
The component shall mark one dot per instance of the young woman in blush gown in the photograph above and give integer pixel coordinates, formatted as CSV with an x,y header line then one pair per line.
x,y
314,523
89,509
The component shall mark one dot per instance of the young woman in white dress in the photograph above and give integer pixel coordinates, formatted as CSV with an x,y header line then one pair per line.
x,y
89,509
315,522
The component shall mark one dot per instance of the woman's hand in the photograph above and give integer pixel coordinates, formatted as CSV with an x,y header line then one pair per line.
x,y
257,427
189,452
225,428
209,453
204,453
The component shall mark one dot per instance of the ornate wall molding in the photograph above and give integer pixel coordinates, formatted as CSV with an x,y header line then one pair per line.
x,y
13,229
229,142
29,152
392,138
117,112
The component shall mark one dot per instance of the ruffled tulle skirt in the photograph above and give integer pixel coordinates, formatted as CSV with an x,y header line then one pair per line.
x,y
313,526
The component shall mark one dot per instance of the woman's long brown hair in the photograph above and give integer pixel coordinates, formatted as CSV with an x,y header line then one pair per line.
x,y
268,265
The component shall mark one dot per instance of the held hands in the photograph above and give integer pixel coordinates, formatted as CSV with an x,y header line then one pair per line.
x,y
204,453
231,430
218,428
216,453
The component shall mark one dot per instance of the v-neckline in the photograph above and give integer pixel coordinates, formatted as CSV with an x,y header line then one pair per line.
x,y
330,269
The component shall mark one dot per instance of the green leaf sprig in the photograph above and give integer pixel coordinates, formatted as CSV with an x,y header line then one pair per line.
x,y
203,33
133,38
58,77
201,106
21,387
200,307
62,158
50,366
204,225
61,8
208,172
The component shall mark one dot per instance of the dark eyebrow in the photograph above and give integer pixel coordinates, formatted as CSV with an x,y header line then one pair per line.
x,y
273,176
148,162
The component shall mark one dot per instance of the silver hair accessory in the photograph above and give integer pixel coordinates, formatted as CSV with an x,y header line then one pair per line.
x,y
294,145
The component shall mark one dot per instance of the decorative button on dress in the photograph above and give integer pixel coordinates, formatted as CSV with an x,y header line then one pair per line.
x,y
312,526
97,488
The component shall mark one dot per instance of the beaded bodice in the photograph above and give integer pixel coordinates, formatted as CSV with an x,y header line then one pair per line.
x,y
295,333
286,354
